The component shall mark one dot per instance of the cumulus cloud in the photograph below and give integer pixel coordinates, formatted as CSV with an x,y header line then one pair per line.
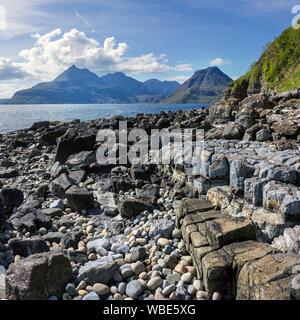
x,y
219,62
55,51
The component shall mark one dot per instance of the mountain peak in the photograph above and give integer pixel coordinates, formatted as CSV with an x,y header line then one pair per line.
x,y
73,73
205,86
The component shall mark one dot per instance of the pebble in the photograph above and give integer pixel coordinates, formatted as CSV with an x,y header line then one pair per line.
x,y
180,268
162,242
169,289
187,277
70,288
202,295
101,289
154,283
134,288
137,267
217,295
91,296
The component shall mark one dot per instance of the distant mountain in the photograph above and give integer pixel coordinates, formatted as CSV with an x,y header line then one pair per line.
x,y
3,100
163,88
73,86
83,86
205,86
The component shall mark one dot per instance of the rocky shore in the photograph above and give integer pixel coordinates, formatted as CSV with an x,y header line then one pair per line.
x,y
75,229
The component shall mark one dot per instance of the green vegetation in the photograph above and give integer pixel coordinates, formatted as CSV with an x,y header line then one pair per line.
x,y
278,66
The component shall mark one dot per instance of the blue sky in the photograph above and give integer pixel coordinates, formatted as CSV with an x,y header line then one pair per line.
x,y
163,39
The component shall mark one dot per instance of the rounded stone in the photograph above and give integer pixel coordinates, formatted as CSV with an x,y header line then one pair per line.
x,y
138,267
162,242
217,295
138,253
202,295
187,277
91,296
134,288
101,289
70,288
42,231
154,283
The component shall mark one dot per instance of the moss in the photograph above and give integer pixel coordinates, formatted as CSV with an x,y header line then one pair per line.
x,y
278,66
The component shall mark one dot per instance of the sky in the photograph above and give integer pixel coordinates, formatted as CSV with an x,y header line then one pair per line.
x,y
145,39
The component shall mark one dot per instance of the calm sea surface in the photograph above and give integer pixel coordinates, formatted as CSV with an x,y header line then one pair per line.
x,y
13,117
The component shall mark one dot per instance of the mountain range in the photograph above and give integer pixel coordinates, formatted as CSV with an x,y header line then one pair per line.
x,y
82,86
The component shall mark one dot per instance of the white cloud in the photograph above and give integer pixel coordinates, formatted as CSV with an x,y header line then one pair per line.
x,y
219,62
183,67
55,51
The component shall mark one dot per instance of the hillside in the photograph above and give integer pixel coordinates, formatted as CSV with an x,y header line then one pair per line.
x,y
278,67
205,86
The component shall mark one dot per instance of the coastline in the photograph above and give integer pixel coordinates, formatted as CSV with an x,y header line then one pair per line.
x,y
122,232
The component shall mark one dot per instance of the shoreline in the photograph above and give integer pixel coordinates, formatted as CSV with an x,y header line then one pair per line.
x,y
123,232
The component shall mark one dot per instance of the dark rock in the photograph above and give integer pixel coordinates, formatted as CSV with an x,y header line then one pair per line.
x,y
8,173
79,198
148,193
74,142
53,237
12,197
29,219
27,247
233,131
50,137
264,135
60,185
77,176
139,173
81,159
39,125
38,277
130,207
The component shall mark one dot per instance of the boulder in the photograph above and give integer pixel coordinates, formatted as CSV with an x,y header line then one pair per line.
x,y
27,247
29,219
51,136
98,271
149,193
74,142
12,197
162,227
38,277
81,159
39,125
239,171
269,278
60,185
131,207
79,198
233,131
